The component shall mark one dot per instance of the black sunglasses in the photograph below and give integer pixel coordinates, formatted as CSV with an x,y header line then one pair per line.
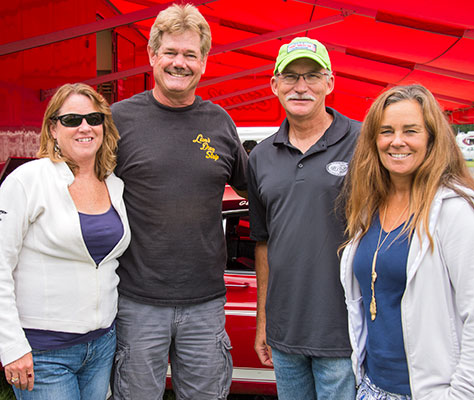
x,y
74,120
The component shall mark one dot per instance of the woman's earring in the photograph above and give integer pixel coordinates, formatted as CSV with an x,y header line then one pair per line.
x,y
57,149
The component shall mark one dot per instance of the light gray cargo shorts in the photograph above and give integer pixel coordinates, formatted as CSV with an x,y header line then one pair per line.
x,y
193,337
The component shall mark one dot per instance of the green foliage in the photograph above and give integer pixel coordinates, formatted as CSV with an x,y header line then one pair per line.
x,y
6,392
169,395
463,128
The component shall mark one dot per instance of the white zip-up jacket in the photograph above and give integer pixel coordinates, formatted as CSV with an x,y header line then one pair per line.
x,y
48,280
437,306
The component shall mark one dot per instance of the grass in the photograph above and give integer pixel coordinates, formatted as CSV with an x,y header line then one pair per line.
x,y
6,392
169,395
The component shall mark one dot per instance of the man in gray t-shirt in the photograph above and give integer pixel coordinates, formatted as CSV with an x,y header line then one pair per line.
x,y
294,179
176,153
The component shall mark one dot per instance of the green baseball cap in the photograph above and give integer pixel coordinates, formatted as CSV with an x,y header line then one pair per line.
x,y
302,47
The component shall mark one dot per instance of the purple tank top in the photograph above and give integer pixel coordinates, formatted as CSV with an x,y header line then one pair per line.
x,y
101,233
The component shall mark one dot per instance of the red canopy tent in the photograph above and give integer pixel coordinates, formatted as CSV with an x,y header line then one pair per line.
x,y
373,44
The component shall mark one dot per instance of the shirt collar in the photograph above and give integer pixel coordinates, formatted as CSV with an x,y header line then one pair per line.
x,y
339,127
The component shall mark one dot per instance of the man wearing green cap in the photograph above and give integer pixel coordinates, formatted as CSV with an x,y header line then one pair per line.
x,y
295,177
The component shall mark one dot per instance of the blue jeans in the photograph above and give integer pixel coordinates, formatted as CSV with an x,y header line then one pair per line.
x,y
302,377
79,372
193,337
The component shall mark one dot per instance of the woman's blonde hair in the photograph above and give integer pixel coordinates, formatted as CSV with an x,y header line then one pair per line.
x,y
179,19
368,182
106,155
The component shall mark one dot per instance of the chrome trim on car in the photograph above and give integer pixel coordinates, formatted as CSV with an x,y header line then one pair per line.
x,y
242,313
232,212
239,272
253,375
247,374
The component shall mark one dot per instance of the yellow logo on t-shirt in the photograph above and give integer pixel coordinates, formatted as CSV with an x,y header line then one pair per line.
x,y
204,142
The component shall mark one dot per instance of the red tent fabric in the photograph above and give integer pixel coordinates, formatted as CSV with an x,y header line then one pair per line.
x,y
373,44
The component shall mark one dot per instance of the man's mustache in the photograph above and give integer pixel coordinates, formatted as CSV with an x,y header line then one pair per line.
x,y
300,97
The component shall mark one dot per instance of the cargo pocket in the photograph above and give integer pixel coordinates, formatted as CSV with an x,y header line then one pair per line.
x,y
121,390
223,343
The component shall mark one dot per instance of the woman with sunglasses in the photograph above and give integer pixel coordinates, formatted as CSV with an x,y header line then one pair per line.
x,y
408,269
62,227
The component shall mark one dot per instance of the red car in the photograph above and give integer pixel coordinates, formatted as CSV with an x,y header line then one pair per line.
x,y
249,376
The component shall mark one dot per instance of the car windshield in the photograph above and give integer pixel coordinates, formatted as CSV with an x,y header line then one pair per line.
x,y
240,248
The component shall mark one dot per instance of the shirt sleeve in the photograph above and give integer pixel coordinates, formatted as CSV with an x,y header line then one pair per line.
x,y
257,210
14,224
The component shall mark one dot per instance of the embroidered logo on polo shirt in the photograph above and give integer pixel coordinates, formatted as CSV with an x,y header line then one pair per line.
x,y
337,168
204,142
2,212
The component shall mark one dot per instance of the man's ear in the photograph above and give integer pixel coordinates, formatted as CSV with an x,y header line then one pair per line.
x,y
274,85
204,64
151,55
330,85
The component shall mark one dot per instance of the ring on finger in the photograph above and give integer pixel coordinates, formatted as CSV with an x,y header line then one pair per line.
x,y
14,380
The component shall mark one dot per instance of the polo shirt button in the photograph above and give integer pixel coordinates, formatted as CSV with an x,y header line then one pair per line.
x,y
300,165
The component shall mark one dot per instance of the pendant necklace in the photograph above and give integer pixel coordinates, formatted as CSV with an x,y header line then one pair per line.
x,y
373,305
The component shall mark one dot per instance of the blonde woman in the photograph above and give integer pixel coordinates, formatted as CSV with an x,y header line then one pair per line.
x,y
63,227
408,268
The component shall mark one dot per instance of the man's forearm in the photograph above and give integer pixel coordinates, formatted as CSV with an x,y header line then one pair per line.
x,y
261,269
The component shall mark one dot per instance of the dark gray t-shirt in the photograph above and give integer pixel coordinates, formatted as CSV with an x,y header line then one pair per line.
x,y
175,163
292,201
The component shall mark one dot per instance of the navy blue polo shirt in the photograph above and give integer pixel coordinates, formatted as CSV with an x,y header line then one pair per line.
x,y
292,200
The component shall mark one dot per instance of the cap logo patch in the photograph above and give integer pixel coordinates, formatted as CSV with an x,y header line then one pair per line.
x,y
337,168
301,46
